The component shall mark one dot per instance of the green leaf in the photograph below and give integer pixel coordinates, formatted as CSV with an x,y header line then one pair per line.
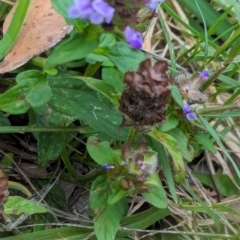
x,y
50,146
102,152
205,141
13,101
171,122
75,47
16,205
182,141
4,120
116,196
106,217
73,100
100,86
176,95
172,147
156,196
107,40
32,90
35,87
121,54
114,77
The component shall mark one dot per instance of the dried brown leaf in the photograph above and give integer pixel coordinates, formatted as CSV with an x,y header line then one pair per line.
x,y
43,28
3,191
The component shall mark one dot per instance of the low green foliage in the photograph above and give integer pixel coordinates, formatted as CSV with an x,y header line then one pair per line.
x,y
74,95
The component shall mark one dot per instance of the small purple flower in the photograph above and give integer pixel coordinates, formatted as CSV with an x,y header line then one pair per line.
x,y
188,112
107,167
134,38
97,11
152,4
204,75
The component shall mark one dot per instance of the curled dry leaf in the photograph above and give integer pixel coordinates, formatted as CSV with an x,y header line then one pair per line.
x,y
3,191
190,87
43,28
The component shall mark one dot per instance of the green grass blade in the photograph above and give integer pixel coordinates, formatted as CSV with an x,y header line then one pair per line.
x,y
220,144
14,28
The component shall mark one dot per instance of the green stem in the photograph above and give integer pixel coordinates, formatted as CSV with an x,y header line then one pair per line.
x,y
68,164
82,179
24,129
132,135
218,108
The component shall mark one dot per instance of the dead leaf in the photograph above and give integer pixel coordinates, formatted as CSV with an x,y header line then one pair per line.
x,y
3,191
43,28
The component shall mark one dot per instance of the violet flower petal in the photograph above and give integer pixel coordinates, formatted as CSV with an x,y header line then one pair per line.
x,y
204,75
152,4
96,18
134,38
84,9
188,112
104,9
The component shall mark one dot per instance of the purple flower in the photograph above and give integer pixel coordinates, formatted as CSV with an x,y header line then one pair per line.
x,y
97,11
133,37
204,75
152,4
107,167
188,112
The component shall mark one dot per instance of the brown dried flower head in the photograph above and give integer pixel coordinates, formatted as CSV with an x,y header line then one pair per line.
x,y
143,102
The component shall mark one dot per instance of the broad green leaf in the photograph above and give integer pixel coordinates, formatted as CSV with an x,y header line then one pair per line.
x,y
107,40
4,120
116,196
98,195
106,217
35,87
182,141
102,152
114,77
107,223
205,141
13,101
75,47
104,88
73,100
172,147
171,122
156,196
50,145
16,205
32,89
124,57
